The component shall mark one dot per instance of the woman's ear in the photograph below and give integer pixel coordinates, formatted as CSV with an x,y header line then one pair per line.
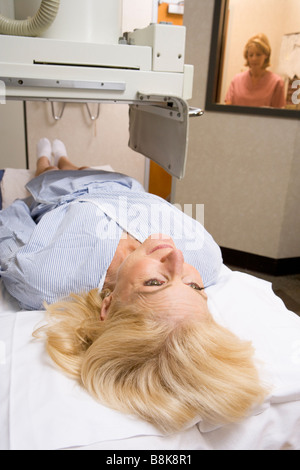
x,y
105,307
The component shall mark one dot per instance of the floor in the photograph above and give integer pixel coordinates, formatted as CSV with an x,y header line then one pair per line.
x,y
286,287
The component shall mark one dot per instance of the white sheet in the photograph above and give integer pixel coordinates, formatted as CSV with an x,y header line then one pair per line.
x,y
43,409
14,181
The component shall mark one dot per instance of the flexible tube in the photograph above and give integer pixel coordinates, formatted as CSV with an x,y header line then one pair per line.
x,y
32,26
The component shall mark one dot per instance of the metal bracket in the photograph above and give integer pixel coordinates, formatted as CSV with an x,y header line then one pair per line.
x,y
167,106
57,116
52,83
93,116
195,112
158,128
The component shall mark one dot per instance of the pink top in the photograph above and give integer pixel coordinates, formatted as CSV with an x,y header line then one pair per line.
x,y
269,91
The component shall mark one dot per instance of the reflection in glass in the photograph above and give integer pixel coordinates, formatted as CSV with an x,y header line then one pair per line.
x,y
289,66
235,21
257,86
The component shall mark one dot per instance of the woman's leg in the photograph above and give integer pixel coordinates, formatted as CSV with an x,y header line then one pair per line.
x,y
65,164
61,159
43,165
43,151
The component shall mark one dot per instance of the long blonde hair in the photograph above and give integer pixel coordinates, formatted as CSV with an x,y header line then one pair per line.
x,y
168,374
262,43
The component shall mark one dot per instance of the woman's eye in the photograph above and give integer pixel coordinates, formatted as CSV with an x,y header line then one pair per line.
x,y
153,282
195,286
157,282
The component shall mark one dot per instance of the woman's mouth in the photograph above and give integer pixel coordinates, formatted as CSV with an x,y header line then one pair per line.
x,y
161,247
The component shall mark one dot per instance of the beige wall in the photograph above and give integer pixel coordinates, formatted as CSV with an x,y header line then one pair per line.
x,y
12,135
104,141
244,169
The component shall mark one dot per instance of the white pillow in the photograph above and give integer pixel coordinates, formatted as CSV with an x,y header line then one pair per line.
x,y
14,181
41,408
13,185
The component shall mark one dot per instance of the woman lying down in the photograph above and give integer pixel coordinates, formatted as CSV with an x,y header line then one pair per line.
x,y
136,331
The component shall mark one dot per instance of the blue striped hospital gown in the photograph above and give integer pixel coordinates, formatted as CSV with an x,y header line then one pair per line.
x,y
65,241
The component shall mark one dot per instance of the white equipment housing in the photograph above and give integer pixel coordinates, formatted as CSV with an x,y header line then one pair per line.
x,y
144,68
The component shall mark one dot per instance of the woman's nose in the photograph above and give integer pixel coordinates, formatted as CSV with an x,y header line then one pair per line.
x,y
174,261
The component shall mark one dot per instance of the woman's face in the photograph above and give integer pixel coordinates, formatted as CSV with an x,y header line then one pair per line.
x,y
256,58
156,275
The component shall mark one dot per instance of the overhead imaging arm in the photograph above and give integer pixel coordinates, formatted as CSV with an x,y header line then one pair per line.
x,y
146,70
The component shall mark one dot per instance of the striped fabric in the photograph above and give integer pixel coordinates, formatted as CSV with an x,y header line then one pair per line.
x,y
66,241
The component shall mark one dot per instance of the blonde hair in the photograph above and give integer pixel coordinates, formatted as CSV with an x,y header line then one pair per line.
x,y
168,374
262,43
